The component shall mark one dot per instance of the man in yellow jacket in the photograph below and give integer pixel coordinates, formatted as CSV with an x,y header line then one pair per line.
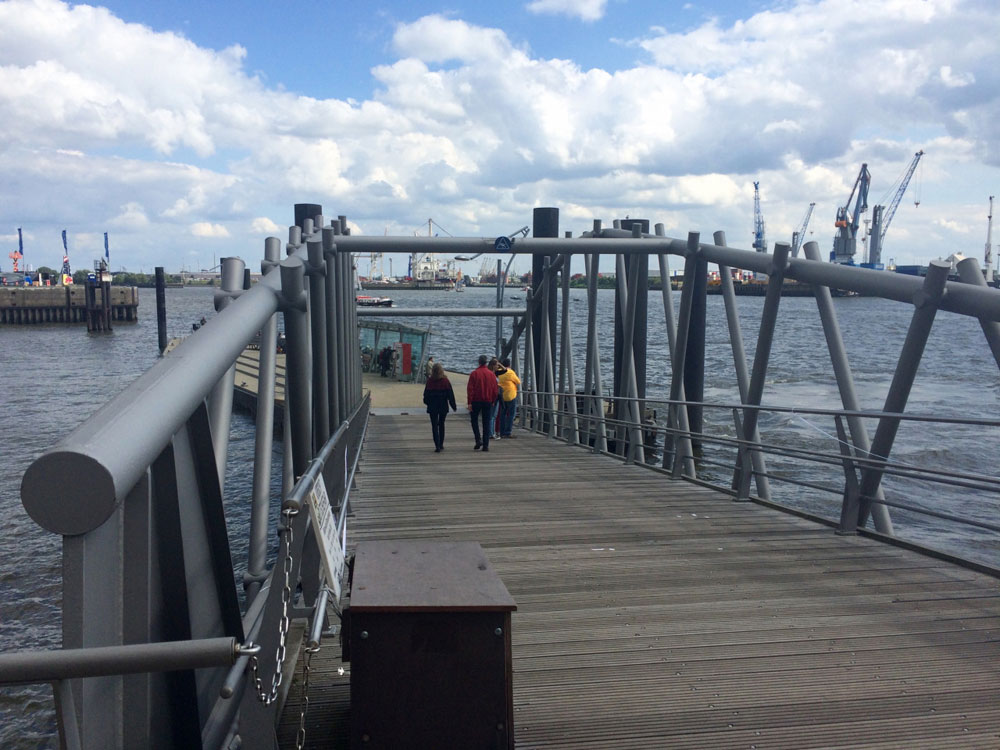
x,y
509,381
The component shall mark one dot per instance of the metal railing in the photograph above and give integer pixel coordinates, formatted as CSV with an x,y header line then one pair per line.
x,y
156,650
136,491
863,461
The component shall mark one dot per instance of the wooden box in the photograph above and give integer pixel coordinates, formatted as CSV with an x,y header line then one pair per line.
x,y
430,648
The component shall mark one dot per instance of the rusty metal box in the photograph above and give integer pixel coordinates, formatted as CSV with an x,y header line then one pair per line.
x,y
430,648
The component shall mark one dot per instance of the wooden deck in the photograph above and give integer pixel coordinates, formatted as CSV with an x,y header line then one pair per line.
x,y
658,614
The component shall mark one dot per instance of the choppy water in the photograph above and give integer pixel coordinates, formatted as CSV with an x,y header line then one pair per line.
x,y
53,377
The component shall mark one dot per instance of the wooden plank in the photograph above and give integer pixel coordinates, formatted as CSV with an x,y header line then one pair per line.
x,y
654,613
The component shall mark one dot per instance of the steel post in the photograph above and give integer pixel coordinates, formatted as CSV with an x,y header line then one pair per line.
x,y
220,401
925,306
848,393
768,320
161,309
680,354
263,439
547,351
969,272
740,364
668,319
298,364
333,321
316,273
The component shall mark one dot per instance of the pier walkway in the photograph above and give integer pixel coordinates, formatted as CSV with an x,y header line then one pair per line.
x,y
660,614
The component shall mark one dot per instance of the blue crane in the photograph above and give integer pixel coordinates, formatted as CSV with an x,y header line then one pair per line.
x,y
880,225
800,234
759,242
845,242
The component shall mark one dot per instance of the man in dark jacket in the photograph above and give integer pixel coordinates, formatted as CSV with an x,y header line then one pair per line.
x,y
481,392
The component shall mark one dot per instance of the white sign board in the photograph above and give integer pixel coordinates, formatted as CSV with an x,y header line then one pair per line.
x,y
330,546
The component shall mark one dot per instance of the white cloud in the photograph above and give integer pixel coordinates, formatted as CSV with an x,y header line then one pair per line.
x,y
263,225
474,128
132,216
208,229
585,10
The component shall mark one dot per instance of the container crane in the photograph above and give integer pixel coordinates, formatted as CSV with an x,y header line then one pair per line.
x,y
881,218
759,242
800,234
988,259
845,243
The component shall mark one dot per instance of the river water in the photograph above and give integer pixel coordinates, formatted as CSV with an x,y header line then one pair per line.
x,y
53,377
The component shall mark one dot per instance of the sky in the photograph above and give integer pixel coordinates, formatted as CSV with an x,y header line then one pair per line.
x,y
188,130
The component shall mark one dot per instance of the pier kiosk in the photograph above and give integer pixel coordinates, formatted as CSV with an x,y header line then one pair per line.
x,y
430,649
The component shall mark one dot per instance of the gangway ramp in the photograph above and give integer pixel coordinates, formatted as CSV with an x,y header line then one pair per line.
x,y
656,613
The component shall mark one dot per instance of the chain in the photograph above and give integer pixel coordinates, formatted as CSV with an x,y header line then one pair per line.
x,y
300,736
286,596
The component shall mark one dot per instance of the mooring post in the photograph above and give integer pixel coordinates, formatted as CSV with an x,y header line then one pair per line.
x,y
161,309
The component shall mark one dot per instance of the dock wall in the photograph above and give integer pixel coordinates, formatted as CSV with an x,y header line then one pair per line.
x,y
58,304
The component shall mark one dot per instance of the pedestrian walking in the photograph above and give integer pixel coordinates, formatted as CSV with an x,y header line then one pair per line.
x,y
438,395
481,392
509,381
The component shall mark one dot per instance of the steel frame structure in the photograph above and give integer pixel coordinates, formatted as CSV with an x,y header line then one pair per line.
x,y
157,651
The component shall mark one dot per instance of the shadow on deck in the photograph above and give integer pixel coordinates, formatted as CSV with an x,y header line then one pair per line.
x,y
662,614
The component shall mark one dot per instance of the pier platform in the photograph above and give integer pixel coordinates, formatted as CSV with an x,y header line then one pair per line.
x,y
26,305
659,614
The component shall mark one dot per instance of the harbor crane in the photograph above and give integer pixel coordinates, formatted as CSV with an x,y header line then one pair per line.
x,y
988,258
881,218
800,234
845,243
759,241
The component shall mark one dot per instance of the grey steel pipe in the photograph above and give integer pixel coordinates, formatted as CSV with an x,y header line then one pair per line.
x,y
346,297
263,439
319,619
298,366
499,323
740,364
682,415
220,400
109,452
680,353
925,310
593,356
768,320
845,384
969,272
333,321
628,291
104,661
566,374
959,298
316,273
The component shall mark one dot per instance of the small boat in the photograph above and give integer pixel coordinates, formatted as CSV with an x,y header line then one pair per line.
x,y
365,300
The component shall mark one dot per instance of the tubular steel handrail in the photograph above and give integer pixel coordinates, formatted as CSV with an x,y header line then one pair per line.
x,y
137,489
